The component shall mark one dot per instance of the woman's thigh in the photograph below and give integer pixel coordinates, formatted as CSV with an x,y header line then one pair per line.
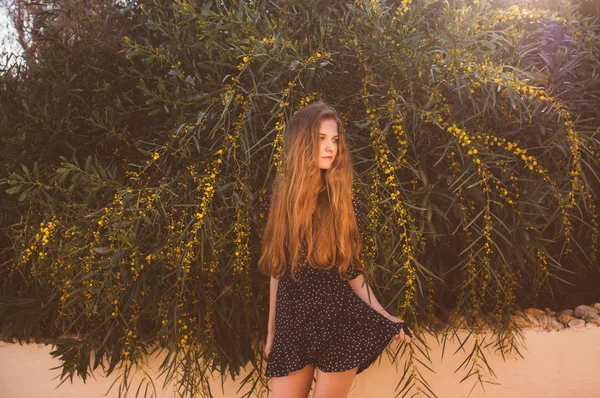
x,y
295,385
334,384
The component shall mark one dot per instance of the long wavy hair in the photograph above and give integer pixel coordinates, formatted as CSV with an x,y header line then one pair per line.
x,y
311,208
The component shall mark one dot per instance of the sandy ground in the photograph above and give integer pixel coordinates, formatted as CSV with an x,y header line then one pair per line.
x,y
556,364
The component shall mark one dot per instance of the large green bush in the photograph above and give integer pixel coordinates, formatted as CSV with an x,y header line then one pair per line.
x,y
137,153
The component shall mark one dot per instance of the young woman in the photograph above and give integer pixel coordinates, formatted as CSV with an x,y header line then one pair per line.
x,y
322,314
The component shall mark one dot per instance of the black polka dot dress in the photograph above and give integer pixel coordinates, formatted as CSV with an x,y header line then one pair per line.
x,y
319,320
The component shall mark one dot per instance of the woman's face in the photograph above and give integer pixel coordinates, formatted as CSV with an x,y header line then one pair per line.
x,y
328,143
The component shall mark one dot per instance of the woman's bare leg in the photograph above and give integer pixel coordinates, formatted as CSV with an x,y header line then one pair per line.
x,y
295,385
334,384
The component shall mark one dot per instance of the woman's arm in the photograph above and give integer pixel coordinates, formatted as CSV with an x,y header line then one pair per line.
x,y
271,328
364,291
273,295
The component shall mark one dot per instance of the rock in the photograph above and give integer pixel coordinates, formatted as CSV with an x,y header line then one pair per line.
x,y
521,320
595,322
554,324
542,321
534,312
531,318
549,312
534,321
586,312
567,312
564,318
597,307
590,325
577,323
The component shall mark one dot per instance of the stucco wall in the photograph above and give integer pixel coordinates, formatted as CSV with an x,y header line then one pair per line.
x,y
556,364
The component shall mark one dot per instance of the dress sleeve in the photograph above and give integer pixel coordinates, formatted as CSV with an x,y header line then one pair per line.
x,y
355,270
358,206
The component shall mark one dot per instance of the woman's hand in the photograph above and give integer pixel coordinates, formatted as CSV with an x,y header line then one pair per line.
x,y
269,343
401,336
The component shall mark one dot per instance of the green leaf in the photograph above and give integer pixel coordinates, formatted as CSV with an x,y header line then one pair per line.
x,y
13,190
103,250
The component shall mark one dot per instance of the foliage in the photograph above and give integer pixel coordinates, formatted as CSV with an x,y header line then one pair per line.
x,y
137,160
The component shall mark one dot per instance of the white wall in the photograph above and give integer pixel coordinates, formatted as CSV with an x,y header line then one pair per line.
x,y
561,364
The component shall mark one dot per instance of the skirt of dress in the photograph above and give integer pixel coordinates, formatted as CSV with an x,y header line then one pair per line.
x,y
319,320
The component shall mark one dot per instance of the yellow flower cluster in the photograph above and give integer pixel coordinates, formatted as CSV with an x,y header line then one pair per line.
x,y
242,252
46,230
469,285
210,271
242,226
227,96
515,14
39,242
307,100
242,65
387,168
401,10
319,55
366,81
262,205
541,275
279,126
115,312
473,153
430,300
205,187
487,246
397,128
184,331
369,245
532,93
256,47
490,72
66,290
232,139
505,292
593,220
543,262
130,340
268,41
495,73
278,143
476,282
135,266
374,6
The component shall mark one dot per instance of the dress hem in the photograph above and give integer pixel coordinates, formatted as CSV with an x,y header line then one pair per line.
x,y
357,365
